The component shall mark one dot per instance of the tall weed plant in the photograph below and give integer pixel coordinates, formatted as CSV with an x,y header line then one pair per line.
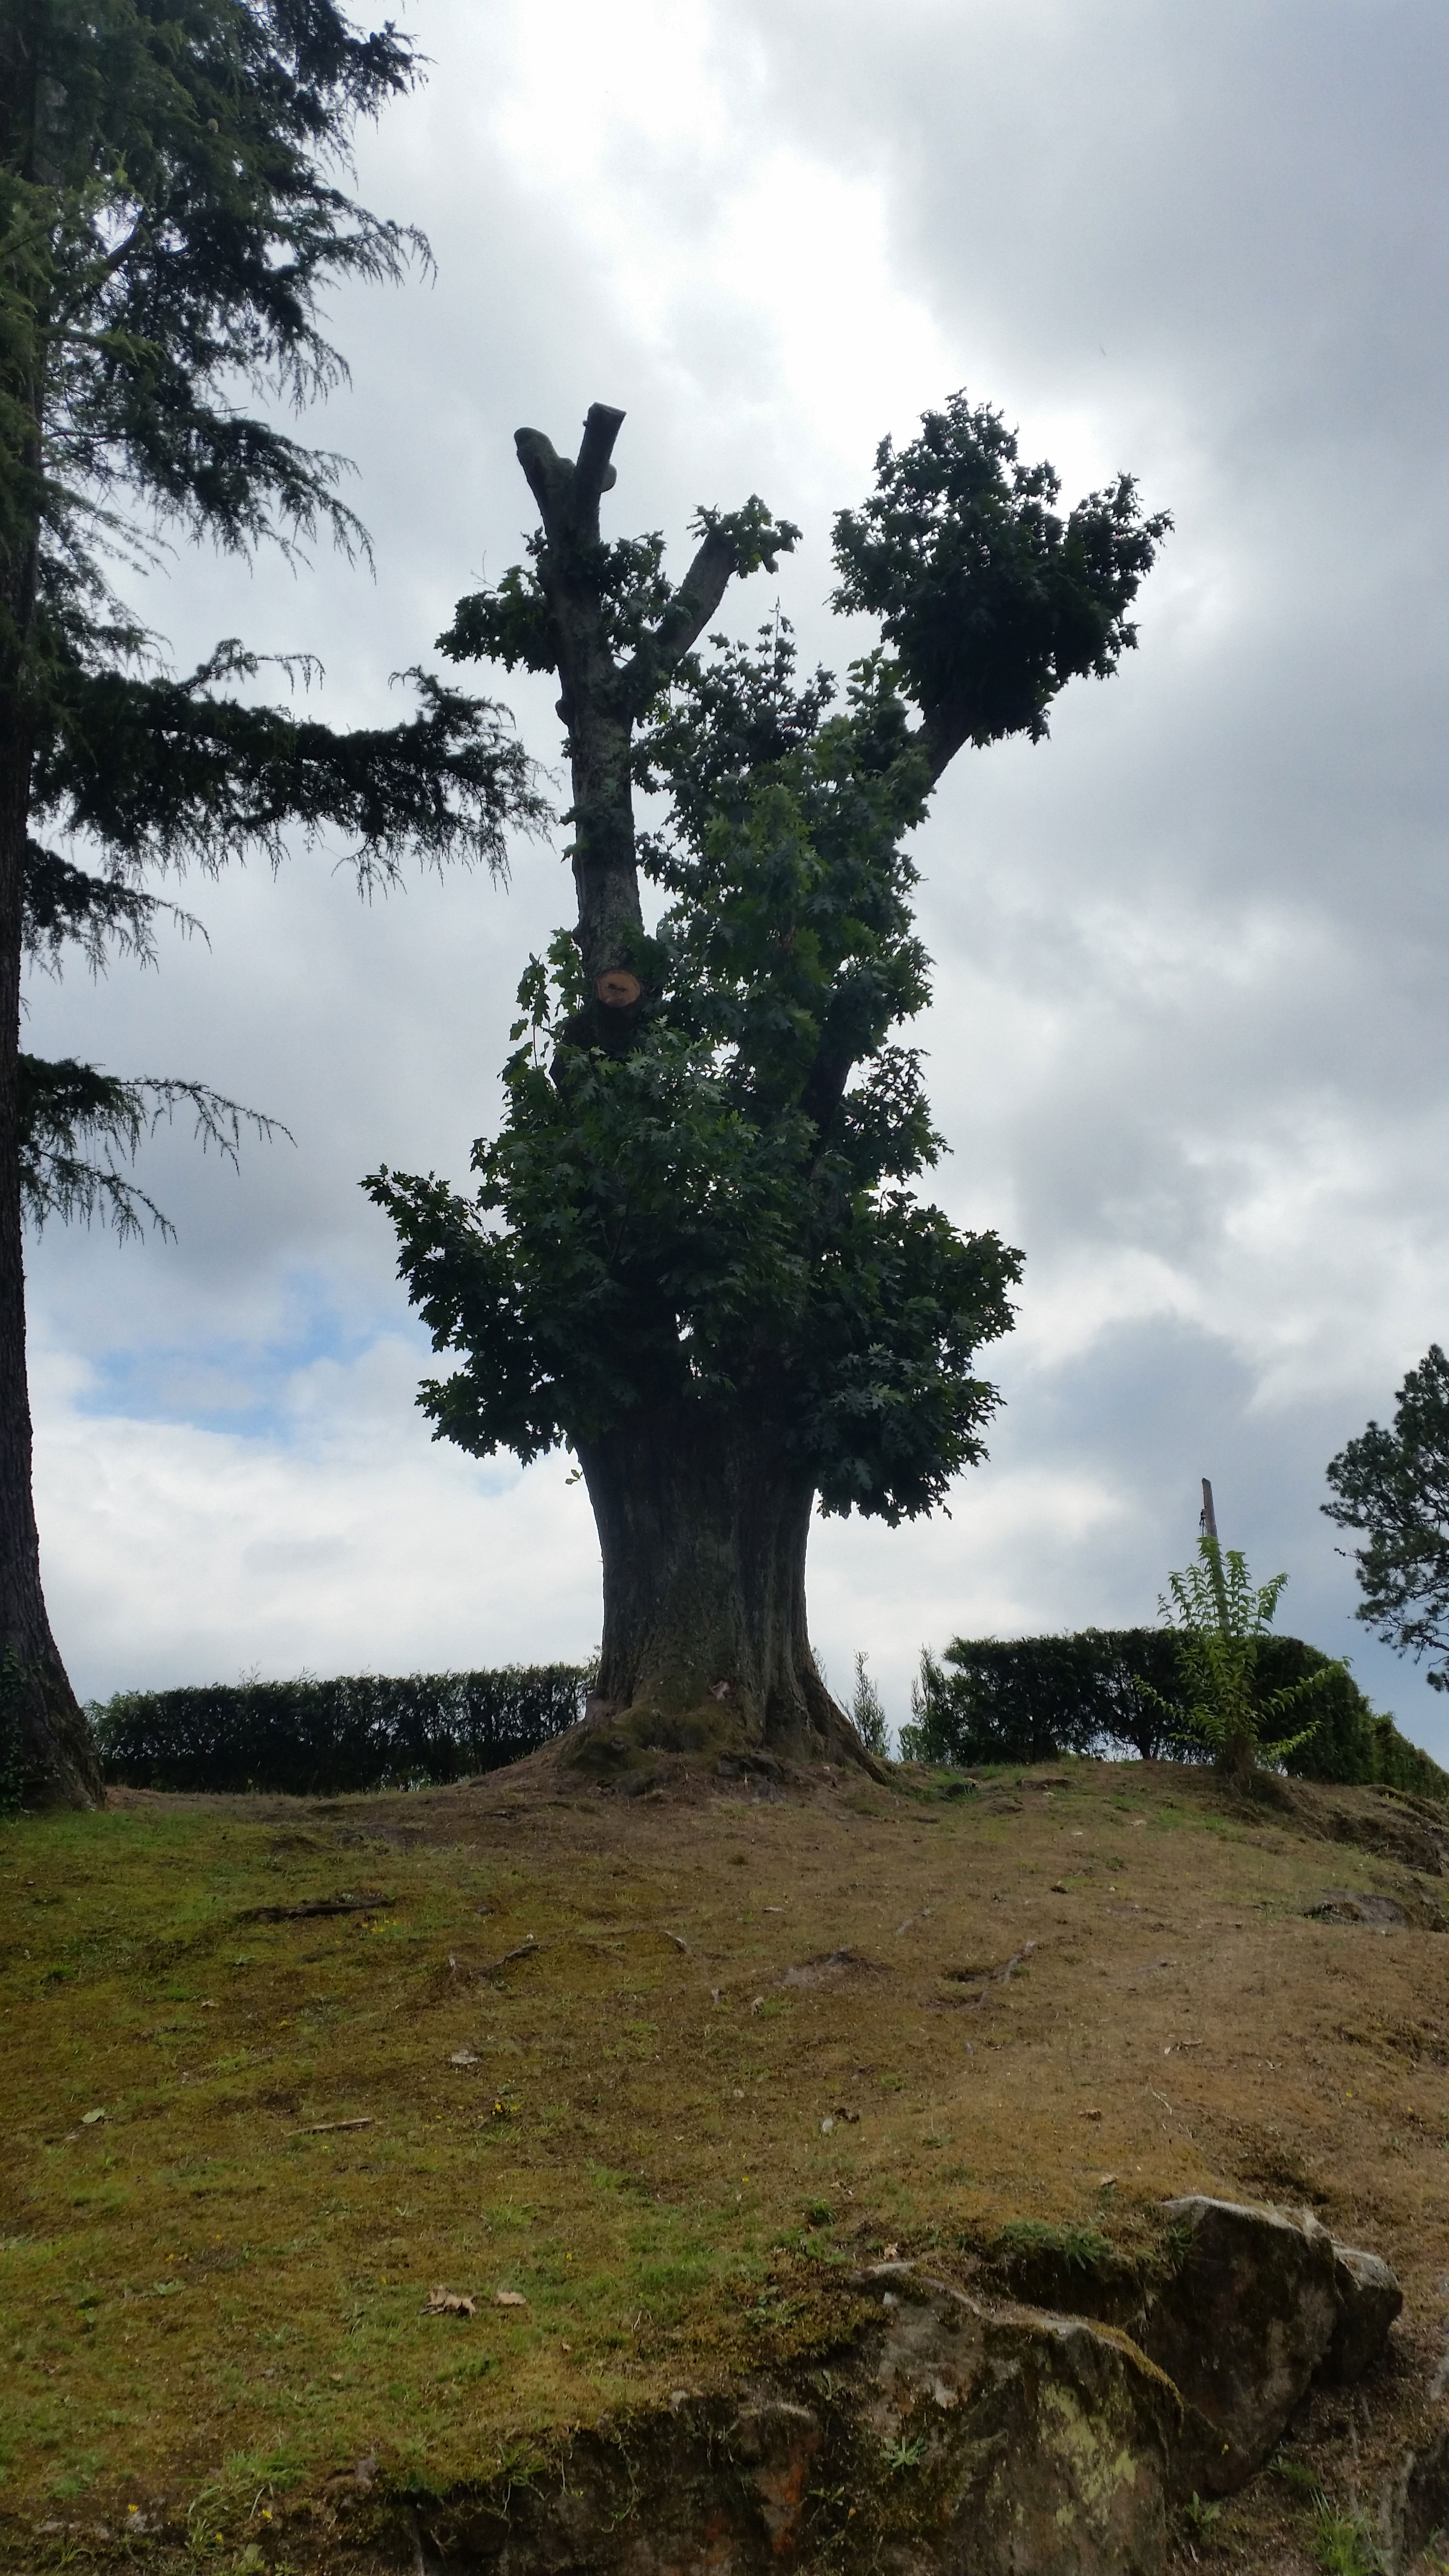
x,y
1218,1617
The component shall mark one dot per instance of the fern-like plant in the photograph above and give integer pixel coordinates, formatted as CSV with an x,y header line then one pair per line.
x,y
1219,1616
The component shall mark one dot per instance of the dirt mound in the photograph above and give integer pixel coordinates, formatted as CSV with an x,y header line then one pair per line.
x,y
672,2068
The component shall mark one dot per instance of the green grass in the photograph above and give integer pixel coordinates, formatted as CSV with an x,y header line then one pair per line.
x,y
208,2296
1343,2544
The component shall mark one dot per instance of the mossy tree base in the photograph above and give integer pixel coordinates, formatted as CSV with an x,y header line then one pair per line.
x,y
703,1522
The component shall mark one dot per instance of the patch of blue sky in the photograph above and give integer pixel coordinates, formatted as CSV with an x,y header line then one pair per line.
x,y
246,1386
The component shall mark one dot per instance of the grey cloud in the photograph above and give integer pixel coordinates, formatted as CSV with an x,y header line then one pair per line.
x,y
1188,1044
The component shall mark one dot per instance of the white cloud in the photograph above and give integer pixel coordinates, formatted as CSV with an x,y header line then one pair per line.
x,y
349,1544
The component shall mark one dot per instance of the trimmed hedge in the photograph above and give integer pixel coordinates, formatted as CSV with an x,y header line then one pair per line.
x,y
311,1738
1034,1699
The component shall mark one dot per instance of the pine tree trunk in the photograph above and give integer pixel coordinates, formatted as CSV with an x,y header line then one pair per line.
x,y
43,1731
703,1522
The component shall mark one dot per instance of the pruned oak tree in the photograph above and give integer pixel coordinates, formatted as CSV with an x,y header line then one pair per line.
x,y
696,1254
170,213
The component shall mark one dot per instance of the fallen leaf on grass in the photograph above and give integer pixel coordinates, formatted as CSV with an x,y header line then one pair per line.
x,y
448,2303
463,2057
89,2118
509,2299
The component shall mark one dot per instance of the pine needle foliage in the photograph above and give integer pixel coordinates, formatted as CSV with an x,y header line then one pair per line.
x,y
173,208
867,1711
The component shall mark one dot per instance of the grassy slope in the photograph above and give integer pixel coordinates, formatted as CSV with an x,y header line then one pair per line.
x,y
200,2303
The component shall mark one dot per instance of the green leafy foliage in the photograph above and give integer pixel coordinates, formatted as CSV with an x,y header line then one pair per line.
x,y
311,1738
1033,1699
710,1212
1218,1616
700,1218
1109,1691
635,602
990,600
1393,1484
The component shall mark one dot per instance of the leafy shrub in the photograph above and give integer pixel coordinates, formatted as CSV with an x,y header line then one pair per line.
x,y
1099,1691
316,1738
1220,1621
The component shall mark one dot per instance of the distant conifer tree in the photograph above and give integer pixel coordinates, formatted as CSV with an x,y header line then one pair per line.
x,y
867,1712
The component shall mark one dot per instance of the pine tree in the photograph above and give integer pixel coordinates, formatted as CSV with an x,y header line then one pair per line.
x,y
172,206
867,1712
697,1253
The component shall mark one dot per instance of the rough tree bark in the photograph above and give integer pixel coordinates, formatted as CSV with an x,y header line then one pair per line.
x,y
702,1519
703,1524
43,1731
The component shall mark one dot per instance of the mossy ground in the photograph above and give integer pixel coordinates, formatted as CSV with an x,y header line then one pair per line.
x,y
724,2044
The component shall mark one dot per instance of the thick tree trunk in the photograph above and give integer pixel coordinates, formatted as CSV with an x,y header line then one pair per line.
x,y
703,1523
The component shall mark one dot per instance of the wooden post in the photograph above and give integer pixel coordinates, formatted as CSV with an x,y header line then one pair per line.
x,y
1208,1524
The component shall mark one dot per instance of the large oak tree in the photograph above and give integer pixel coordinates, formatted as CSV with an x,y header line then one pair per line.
x,y
697,1253
172,207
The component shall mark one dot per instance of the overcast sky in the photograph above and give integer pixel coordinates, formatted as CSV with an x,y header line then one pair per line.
x,y
1188,1044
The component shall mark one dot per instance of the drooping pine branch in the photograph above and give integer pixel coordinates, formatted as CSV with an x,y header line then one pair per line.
x,y
77,1125
65,906
169,772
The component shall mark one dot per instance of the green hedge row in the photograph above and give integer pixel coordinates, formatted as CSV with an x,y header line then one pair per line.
x,y
1033,1699
311,1738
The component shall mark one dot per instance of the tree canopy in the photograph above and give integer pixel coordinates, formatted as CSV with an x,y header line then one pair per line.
x,y
172,209
1393,1484
704,1194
